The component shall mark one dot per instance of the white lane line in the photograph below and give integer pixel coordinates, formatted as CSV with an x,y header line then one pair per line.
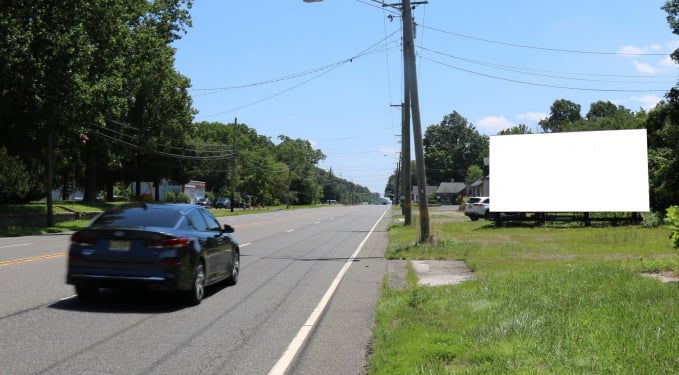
x,y
21,244
245,244
293,348
289,231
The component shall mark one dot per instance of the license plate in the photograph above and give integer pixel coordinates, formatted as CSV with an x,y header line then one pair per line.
x,y
118,245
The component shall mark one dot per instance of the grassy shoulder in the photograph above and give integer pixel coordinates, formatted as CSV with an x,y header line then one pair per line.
x,y
545,300
40,208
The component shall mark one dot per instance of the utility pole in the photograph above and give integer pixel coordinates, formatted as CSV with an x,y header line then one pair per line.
x,y
412,106
412,97
233,164
406,187
287,206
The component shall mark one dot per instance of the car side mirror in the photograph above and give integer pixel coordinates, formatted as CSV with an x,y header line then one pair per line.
x,y
228,229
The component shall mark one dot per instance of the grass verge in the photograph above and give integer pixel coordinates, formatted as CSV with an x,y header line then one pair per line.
x,y
545,300
40,208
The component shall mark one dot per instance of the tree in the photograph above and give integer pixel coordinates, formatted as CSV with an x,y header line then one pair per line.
x,y
663,155
601,109
562,112
474,173
518,129
451,147
607,116
301,158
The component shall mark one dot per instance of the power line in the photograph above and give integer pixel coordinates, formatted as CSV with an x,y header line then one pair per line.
x,y
527,71
128,141
540,84
332,67
542,48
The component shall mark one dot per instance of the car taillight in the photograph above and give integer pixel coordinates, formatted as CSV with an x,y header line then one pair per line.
x,y
478,204
167,243
78,240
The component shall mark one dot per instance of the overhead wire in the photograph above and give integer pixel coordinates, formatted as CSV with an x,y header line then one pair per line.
x,y
539,84
325,71
542,48
522,69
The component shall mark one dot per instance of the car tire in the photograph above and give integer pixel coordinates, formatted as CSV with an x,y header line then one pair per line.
x,y
486,215
197,292
473,218
235,270
86,293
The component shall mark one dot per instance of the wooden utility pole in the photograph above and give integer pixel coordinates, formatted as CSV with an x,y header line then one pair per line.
x,y
406,187
234,185
411,82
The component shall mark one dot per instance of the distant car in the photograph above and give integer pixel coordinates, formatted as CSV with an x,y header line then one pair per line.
x,y
159,246
223,203
205,202
477,207
241,204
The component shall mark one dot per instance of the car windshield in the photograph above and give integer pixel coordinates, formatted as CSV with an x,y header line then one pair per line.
x,y
138,216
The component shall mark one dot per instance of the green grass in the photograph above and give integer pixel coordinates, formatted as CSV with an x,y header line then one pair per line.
x,y
40,208
545,300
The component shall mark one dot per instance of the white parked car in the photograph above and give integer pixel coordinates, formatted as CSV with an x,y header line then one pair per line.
x,y
477,207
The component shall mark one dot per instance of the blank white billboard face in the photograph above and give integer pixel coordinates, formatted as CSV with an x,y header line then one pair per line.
x,y
600,171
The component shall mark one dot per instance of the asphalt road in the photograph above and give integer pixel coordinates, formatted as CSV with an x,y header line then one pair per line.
x,y
304,304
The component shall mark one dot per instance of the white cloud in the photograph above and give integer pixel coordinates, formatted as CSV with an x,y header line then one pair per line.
x,y
667,62
634,50
644,68
646,102
493,124
389,150
532,116
630,50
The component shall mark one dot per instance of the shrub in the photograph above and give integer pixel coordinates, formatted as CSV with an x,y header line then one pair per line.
x,y
651,219
672,222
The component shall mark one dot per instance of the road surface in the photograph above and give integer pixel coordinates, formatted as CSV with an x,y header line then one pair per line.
x,y
304,304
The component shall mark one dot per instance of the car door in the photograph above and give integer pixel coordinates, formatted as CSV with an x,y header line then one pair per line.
x,y
222,245
208,243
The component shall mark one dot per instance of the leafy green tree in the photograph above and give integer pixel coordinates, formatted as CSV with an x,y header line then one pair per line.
x,y
15,181
451,147
663,155
301,159
562,113
608,116
601,109
518,129
474,173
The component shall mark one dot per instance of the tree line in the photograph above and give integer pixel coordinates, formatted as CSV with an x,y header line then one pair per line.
x,y
90,98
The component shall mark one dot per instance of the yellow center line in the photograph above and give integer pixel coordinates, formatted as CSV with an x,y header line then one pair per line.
x,y
30,259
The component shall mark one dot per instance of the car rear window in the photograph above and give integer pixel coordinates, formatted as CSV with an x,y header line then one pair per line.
x,y
142,216
473,200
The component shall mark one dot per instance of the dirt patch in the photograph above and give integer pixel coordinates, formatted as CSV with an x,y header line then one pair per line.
x,y
663,276
441,272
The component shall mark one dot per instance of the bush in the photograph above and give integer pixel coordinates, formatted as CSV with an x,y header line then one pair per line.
x,y
15,181
651,219
177,197
672,222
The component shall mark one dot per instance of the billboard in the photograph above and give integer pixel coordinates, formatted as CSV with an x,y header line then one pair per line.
x,y
594,171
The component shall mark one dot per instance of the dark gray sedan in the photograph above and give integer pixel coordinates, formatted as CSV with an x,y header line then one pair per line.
x,y
175,247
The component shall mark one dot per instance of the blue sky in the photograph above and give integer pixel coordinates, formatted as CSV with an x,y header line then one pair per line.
x,y
331,72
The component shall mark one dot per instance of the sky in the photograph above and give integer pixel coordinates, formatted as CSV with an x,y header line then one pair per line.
x,y
331,72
